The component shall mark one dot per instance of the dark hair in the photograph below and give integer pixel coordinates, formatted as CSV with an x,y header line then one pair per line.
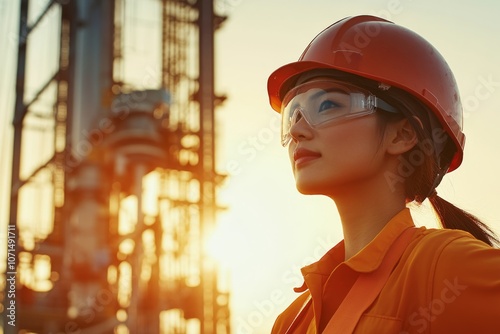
x,y
428,172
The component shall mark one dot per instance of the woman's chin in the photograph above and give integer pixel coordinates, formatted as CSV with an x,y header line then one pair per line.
x,y
308,188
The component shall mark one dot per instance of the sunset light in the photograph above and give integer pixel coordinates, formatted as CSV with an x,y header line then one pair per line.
x,y
171,219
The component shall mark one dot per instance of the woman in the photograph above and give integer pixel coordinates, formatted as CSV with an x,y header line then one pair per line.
x,y
372,118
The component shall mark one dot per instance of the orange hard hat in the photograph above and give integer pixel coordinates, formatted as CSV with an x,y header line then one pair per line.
x,y
376,49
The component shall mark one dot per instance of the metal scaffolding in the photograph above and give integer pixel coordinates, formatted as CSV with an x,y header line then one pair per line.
x,y
114,182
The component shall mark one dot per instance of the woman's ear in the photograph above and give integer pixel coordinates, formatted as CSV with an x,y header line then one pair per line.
x,y
401,136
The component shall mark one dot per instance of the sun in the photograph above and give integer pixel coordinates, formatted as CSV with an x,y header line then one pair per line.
x,y
223,243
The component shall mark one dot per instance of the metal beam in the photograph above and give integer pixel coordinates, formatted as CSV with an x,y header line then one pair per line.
x,y
10,300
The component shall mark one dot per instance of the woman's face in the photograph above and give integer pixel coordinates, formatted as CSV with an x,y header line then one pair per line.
x,y
327,159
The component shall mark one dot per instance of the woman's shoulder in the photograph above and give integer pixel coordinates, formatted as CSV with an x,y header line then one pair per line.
x,y
457,271
454,251
449,239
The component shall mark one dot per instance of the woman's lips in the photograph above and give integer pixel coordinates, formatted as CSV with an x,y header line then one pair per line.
x,y
302,155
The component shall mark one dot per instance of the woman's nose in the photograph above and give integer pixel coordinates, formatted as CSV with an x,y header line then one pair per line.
x,y
300,129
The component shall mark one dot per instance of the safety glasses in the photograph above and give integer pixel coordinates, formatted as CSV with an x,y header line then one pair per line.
x,y
323,102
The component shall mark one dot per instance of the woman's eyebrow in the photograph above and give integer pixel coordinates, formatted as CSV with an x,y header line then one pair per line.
x,y
323,91
318,94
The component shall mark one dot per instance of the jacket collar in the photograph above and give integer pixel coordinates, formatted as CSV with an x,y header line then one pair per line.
x,y
367,259
370,257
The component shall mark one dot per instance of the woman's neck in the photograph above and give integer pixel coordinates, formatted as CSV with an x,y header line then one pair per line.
x,y
364,213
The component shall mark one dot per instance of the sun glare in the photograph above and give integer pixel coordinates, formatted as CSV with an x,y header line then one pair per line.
x,y
222,243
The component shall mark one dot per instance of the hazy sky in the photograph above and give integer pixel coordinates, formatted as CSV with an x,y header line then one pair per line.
x,y
270,230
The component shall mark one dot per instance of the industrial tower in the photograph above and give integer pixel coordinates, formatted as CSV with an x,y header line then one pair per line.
x,y
114,182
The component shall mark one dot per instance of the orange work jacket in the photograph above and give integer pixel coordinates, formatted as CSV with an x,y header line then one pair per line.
x,y
445,282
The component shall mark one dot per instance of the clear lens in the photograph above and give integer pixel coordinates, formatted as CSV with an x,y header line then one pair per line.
x,y
321,102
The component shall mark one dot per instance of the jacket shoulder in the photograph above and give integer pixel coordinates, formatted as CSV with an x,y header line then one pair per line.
x,y
437,241
437,255
455,271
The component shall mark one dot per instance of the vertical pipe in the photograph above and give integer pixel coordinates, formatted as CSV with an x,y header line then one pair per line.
x,y
89,77
10,300
92,68
206,79
207,191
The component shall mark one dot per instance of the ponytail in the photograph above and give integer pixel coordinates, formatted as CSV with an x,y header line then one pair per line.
x,y
453,217
426,175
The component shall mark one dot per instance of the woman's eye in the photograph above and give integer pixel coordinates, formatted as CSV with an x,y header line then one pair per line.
x,y
327,104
